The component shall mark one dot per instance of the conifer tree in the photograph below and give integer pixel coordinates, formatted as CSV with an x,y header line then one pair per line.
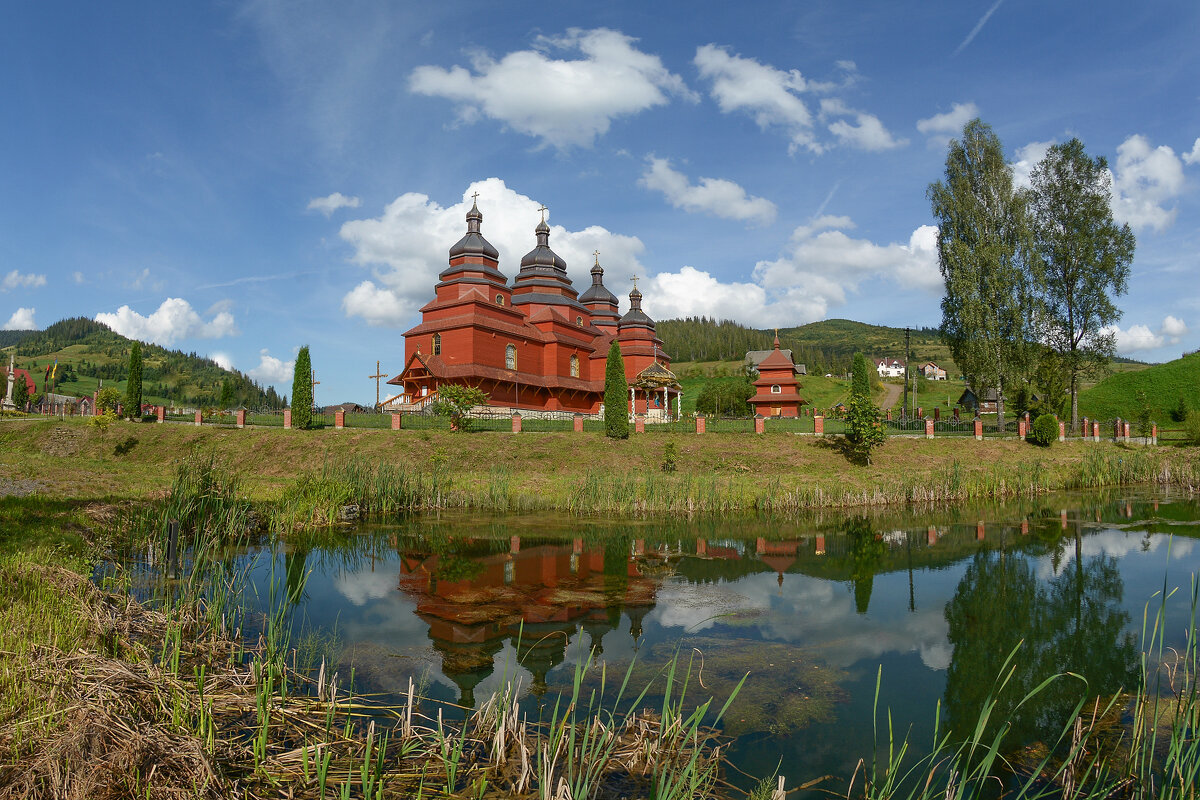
x,y
616,394
861,386
20,393
302,394
133,386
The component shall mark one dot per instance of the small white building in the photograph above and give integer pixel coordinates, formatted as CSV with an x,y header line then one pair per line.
x,y
889,367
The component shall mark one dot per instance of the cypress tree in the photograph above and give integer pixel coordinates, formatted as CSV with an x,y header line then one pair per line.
x,y
302,394
616,395
20,394
133,387
861,385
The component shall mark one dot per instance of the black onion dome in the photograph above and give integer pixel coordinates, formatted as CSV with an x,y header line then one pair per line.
x,y
542,255
635,315
473,243
597,292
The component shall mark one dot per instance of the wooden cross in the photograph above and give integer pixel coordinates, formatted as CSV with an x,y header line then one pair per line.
x,y
315,384
377,376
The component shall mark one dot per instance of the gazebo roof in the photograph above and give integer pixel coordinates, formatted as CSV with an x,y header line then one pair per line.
x,y
655,376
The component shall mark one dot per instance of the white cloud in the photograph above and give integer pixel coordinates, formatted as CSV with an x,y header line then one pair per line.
x,y
563,102
1028,157
407,247
1193,157
16,280
821,268
1137,338
941,128
175,319
21,320
867,134
331,203
1144,180
272,371
222,360
77,276
716,196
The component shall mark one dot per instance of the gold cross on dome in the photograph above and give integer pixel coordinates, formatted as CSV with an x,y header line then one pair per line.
x,y
634,278
475,197
543,209
596,253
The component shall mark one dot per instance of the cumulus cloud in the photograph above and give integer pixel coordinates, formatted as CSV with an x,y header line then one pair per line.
x,y
406,247
1137,338
563,102
1028,157
222,360
941,128
331,203
17,280
1146,178
175,319
1193,157
21,320
820,268
771,96
272,371
716,196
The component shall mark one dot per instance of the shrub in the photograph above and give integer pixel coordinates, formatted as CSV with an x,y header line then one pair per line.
x,y
1181,411
726,396
864,429
670,460
1191,428
102,421
456,401
1044,430
1141,417
107,399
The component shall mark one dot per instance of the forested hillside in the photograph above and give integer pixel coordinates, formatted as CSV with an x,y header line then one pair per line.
x,y
89,352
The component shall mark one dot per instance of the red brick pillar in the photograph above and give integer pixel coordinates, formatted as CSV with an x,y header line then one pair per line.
x,y
980,531
287,419
819,425
1086,428
937,414
931,536
241,418
978,429
920,412
702,547
1062,431
699,423
639,424
1024,527
820,545
1022,427
1118,429
514,544
956,413
928,428
160,414
199,417
578,423
1062,519
760,424
1127,431
339,420
1096,431
516,422
889,415
396,421
1154,433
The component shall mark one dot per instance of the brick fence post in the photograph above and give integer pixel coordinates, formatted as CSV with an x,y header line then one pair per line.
x,y
1021,429
639,424
928,428
1062,431
578,423
199,417
287,419
1086,428
396,421
1118,428
699,423
931,536
920,412
516,422
241,418
160,414
1127,431
1154,433
1096,431
760,424
978,429
339,420
819,425
889,415
980,531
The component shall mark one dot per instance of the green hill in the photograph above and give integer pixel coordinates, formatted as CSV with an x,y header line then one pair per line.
x,y
1164,384
89,352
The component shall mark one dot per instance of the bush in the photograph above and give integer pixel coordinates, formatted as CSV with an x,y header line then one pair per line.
x,y
456,401
726,397
670,460
1191,428
1181,411
102,421
1044,430
107,399
864,428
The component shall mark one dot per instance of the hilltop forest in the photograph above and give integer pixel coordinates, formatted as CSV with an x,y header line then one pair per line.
x,y
89,352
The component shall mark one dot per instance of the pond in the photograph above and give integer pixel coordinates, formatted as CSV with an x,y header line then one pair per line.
x,y
816,609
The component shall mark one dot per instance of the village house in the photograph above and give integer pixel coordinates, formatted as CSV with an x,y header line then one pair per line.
x,y
536,345
973,402
933,372
889,367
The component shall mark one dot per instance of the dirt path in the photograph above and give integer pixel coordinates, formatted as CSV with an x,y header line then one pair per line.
x,y
891,397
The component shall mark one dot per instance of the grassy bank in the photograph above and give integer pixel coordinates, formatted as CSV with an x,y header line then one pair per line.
x,y
317,472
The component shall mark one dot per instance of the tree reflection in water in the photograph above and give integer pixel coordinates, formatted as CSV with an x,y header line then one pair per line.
x,y
1071,623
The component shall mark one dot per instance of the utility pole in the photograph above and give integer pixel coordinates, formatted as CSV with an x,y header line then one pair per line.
x,y
906,351
378,374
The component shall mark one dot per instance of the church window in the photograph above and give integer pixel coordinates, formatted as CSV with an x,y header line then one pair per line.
x,y
510,357
579,321
437,344
775,389
499,299
574,366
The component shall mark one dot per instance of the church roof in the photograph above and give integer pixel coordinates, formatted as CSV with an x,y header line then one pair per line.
x,y
473,243
635,316
541,256
777,360
597,292
655,375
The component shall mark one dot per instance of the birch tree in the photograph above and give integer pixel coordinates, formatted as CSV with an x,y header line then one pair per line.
x,y
984,256
1084,257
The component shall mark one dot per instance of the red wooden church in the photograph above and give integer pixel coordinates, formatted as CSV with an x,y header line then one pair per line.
x,y
534,345
776,388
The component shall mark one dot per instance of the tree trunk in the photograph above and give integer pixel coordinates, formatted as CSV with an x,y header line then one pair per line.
x,y
1074,402
1000,407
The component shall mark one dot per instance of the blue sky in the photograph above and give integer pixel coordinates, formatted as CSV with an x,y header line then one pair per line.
x,y
241,179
